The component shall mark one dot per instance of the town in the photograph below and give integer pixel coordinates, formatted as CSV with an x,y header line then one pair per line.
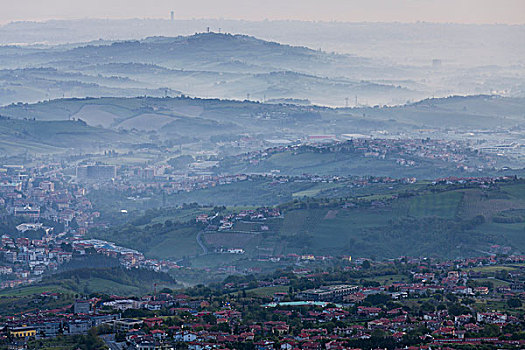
x,y
403,303
262,175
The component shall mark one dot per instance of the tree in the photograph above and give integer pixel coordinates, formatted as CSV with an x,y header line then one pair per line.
x,y
514,303
378,333
427,307
377,299
490,330
458,309
73,224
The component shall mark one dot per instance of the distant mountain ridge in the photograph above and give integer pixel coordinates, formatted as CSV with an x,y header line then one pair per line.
x,y
204,65
234,66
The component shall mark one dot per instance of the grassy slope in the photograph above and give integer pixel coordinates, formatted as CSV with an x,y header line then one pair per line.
x,y
345,164
429,223
84,281
259,192
44,137
425,226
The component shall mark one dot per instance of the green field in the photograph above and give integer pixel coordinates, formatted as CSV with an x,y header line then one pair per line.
x,y
428,224
417,220
495,282
492,269
441,204
31,290
177,243
268,291
389,279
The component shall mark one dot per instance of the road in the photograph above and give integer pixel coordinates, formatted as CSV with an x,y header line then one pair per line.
x,y
201,244
109,339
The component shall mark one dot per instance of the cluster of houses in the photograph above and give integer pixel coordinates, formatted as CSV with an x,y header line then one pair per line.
x,y
74,319
24,261
45,193
329,316
127,257
406,152
226,222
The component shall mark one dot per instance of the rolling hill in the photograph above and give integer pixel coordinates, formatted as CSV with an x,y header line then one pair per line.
x,y
483,121
205,65
442,221
223,66
35,137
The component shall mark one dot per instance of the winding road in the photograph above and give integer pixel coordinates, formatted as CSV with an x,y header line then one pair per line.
x,y
201,243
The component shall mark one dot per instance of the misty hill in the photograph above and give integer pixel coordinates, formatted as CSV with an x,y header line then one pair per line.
x,y
362,158
35,84
214,124
479,112
231,67
203,51
419,43
471,112
204,65
18,137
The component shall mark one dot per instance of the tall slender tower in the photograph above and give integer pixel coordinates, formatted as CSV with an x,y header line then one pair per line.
x,y
172,15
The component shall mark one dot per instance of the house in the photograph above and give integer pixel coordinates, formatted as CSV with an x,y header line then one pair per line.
x,y
491,317
158,334
328,293
22,332
462,290
481,290
279,296
185,336
354,297
264,345
368,311
78,326
154,305
126,324
153,321
82,307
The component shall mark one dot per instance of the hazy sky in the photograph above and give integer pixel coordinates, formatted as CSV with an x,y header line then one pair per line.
x,y
461,11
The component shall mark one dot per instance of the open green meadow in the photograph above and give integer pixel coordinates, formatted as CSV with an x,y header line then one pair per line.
x,y
441,204
267,291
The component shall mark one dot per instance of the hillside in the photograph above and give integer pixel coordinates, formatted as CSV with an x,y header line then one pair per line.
x,y
448,224
468,112
443,221
224,125
233,66
422,159
465,113
194,52
204,64
35,137
110,280
401,42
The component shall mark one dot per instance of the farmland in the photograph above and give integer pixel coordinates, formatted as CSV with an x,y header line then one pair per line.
x,y
429,220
